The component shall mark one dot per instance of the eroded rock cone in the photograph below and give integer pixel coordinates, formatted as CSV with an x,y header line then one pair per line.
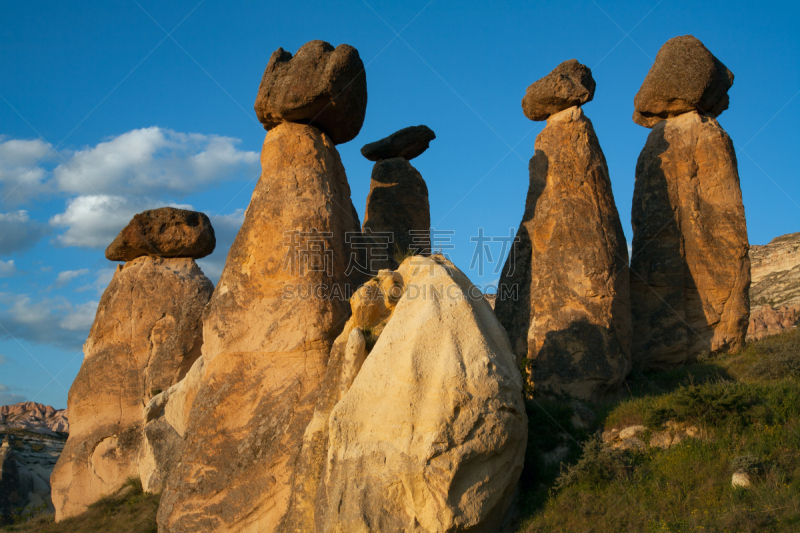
x,y
569,84
164,232
280,303
320,85
564,293
397,209
146,335
435,411
690,272
407,143
684,77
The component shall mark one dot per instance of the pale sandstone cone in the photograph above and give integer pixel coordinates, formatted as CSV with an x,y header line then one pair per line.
x,y
146,335
264,354
690,272
571,314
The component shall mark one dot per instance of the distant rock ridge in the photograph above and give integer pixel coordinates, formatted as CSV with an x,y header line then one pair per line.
x,y
775,286
35,417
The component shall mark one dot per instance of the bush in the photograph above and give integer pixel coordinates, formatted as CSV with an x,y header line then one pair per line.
x,y
597,466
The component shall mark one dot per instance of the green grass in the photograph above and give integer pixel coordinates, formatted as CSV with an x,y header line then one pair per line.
x,y
130,510
747,405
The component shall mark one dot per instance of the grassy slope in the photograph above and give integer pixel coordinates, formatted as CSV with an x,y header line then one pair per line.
x,y
749,406
128,511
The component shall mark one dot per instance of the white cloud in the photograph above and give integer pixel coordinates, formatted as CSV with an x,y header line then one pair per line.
x,y
154,160
18,232
225,229
81,317
21,177
101,281
7,397
7,268
66,276
44,322
93,221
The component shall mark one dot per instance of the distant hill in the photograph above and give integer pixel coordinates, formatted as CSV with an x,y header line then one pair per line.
x,y
775,286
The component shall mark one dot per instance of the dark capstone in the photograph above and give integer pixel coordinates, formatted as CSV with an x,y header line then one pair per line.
x,y
569,84
407,143
164,232
320,86
684,77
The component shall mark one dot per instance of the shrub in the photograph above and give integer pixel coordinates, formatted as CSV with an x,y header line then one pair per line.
x,y
597,466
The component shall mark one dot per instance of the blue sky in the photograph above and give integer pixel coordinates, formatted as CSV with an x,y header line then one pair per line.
x,y
109,108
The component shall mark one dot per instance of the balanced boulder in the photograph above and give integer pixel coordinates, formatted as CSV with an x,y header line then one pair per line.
x,y
569,84
690,271
684,77
564,294
323,86
164,232
280,303
407,143
145,337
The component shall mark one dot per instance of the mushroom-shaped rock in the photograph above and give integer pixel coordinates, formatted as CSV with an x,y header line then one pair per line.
x,y
407,143
569,84
320,86
684,77
164,232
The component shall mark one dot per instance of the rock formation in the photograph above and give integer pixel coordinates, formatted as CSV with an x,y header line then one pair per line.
x,y
431,433
320,86
145,336
11,496
569,84
689,267
564,293
775,272
397,204
407,143
35,417
280,303
684,77
164,232
767,321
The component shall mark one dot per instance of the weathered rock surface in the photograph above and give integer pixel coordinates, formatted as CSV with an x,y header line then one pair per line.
x,y
407,143
684,77
11,495
35,417
320,85
164,232
775,273
564,293
397,207
431,434
146,335
267,337
690,272
767,321
569,84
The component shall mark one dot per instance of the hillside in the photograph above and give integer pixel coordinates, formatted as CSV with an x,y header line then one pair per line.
x,y
775,272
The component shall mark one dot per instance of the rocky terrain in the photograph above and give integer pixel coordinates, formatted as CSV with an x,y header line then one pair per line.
x,y
33,437
337,380
775,286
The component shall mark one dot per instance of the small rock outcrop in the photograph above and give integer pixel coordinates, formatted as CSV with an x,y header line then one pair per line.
x,y
398,215
164,232
684,77
320,85
146,335
280,303
569,84
407,143
766,321
690,272
563,295
431,433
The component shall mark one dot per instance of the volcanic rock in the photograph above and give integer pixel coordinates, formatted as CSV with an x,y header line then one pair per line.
x,y
767,321
690,271
407,143
146,335
775,273
431,434
164,232
320,86
684,77
564,293
35,417
398,214
569,84
280,303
